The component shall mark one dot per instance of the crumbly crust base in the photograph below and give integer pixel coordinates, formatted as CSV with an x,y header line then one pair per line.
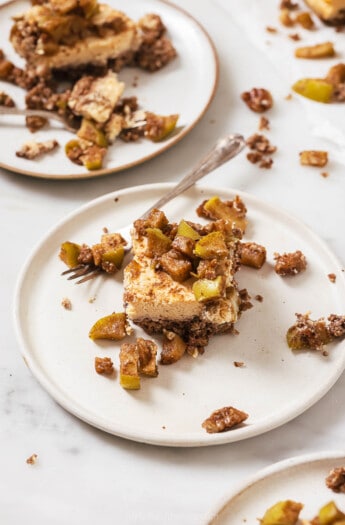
x,y
195,332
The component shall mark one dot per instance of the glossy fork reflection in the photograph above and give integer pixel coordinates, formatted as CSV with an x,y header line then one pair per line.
x,y
224,150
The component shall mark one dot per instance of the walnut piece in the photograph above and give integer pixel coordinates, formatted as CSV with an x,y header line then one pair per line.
x,y
336,479
290,263
31,150
315,158
258,99
6,100
104,366
224,419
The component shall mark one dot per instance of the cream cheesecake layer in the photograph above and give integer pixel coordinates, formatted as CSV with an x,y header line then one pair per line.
x,y
37,37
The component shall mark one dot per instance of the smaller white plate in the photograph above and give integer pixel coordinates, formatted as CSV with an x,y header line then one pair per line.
x,y
169,409
185,86
300,479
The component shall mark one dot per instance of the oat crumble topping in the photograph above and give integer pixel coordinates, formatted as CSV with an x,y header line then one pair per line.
x,y
287,264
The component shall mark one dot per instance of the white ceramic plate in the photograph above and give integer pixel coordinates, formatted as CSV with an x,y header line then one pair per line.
x,y
300,479
162,92
169,410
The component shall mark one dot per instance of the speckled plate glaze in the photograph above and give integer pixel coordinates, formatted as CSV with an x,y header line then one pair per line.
x,y
162,92
300,479
170,409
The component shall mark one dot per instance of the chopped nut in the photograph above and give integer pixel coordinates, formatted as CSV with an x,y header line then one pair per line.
x,y
314,158
305,20
317,51
252,254
224,419
32,459
104,365
31,150
258,99
261,150
264,123
288,4
260,143
6,100
336,479
285,18
66,303
332,277
290,263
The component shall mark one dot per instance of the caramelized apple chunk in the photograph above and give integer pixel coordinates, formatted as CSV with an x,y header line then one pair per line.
x,y
113,326
283,513
173,348
233,211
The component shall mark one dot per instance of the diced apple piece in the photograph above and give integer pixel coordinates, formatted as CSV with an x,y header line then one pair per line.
x,y
315,89
112,327
208,289
282,513
157,242
129,367
211,246
89,131
69,253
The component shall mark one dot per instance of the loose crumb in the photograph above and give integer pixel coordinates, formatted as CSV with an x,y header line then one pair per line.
x,y
336,480
270,29
259,298
332,277
92,300
104,366
295,37
32,459
325,174
290,263
66,303
105,229
288,97
239,364
31,150
315,158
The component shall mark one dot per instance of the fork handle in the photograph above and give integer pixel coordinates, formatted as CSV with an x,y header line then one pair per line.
x,y
35,113
224,150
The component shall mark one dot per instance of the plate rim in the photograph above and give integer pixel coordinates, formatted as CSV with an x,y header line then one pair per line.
x,y
170,142
266,472
152,438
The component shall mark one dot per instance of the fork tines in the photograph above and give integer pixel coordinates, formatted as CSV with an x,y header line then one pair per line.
x,y
85,271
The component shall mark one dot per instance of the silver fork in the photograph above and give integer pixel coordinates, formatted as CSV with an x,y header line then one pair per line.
x,y
224,150
37,113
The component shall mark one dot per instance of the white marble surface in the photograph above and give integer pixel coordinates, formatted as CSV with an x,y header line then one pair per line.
x,y
83,475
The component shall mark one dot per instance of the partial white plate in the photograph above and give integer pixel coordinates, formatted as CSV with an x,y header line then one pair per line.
x,y
169,410
300,479
163,92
